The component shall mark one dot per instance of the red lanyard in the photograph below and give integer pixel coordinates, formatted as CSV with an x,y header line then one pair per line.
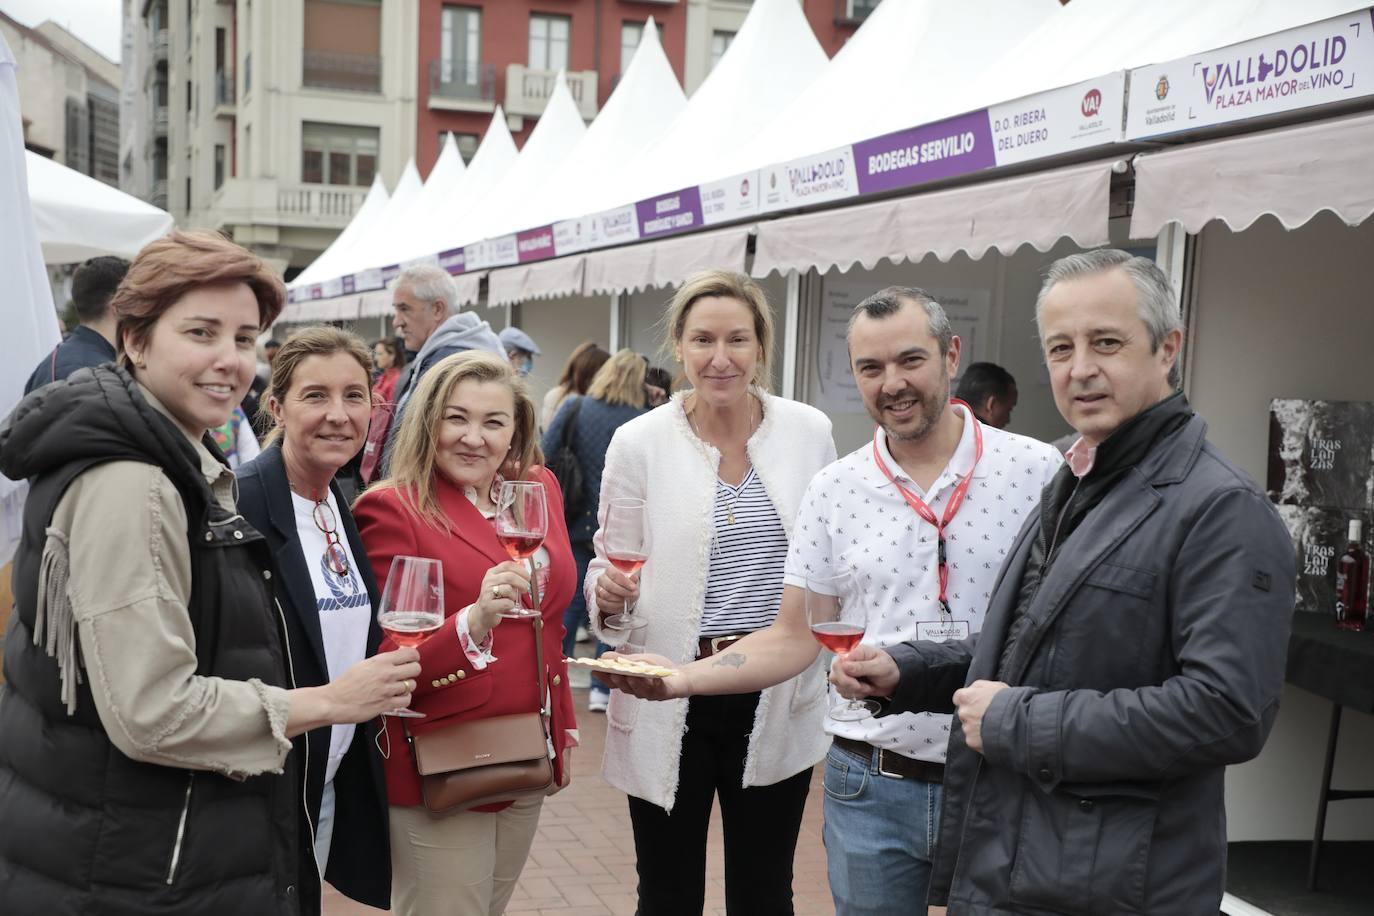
x,y
956,499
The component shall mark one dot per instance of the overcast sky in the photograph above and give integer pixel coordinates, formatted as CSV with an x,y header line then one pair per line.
x,y
95,22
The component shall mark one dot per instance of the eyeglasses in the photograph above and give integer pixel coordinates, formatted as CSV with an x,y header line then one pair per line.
x,y
334,555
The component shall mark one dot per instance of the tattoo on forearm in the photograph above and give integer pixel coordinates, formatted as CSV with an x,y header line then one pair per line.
x,y
733,660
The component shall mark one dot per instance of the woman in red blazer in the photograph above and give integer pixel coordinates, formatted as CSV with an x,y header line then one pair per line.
x,y
470,425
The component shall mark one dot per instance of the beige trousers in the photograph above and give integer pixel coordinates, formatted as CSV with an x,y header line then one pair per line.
x,y
463,864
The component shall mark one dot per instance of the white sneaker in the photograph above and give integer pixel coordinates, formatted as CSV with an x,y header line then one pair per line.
x,y
583,635
598,700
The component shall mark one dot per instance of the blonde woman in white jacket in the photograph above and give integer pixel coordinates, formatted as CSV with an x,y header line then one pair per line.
x,y
722,469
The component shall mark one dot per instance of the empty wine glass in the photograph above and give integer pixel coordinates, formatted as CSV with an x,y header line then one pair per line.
x,y
522,522
837,618
627,548
412,606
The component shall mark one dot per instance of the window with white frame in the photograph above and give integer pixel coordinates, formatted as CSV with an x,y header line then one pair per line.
x,y
549,39
720,43
630,35
460,45
341,154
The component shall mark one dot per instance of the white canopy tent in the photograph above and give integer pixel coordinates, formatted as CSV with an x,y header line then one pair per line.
x,y
433,229
905,51
362,253
29,319
639,111
391,236
330,263
1090,38
559,130
79,218
771,60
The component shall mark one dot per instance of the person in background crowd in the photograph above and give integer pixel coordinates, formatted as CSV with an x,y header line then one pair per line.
x,y
990,391
920,517
721,469
1134,647
320,404
93,340
427,318
149,714
390,358
236,440
577,375
269,351
616,396
659,384
520,349
471,426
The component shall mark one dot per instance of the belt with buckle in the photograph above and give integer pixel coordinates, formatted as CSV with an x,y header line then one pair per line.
x,y
893,764
710,645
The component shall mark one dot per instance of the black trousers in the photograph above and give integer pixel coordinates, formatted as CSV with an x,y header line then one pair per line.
x,y
760,823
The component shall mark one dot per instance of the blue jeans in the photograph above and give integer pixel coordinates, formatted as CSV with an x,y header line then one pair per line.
x,y
879,837
576,614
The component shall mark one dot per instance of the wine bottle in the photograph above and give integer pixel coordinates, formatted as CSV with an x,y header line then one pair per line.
x,y
1352,582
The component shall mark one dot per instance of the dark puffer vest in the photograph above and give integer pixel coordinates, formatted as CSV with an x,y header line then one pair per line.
x,y
87,830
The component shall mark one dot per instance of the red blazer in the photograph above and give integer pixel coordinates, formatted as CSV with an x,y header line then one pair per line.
x,y
449,689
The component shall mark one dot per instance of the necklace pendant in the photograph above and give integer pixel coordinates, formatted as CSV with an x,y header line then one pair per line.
x,y
730,516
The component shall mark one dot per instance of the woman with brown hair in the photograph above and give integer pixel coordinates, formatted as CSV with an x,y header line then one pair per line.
x,y
150,708
320,403
390,359
577,374
469,427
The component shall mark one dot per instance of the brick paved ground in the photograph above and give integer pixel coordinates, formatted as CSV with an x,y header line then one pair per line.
x,y
583,861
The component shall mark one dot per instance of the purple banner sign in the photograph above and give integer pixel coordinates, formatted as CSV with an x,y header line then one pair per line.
x,y
534,244
390,273
454,260
669,214
349,286
955,146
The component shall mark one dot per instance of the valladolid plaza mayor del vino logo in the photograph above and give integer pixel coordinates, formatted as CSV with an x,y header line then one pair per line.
x,y
1261,76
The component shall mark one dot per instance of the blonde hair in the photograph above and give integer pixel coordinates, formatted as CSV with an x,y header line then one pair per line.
x,y
621,380
413,459
316,340
723,284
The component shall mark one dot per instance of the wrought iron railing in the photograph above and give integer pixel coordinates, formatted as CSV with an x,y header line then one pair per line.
x,y
342,70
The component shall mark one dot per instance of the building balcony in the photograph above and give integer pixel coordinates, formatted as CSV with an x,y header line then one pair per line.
x,y
160,121
225,92
160,45
267,202
528,90
342,71
462,86
157,195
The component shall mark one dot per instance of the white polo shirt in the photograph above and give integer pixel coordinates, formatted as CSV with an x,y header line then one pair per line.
x,y
853,517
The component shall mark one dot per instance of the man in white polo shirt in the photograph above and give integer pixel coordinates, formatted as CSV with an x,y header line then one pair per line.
x,y
921,518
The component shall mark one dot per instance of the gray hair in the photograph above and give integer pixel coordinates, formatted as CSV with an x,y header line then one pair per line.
x,y
1158,306
429,283
889,301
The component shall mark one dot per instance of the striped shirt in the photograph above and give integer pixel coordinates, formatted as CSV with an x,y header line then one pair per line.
x,y
744,582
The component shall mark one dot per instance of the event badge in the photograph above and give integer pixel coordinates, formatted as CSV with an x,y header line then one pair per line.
x,y
942,630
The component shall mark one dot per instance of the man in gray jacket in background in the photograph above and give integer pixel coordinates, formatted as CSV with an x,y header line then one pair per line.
x,y
424,298
1134,645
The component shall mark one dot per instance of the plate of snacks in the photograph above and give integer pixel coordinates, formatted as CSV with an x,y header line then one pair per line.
x,y
626,666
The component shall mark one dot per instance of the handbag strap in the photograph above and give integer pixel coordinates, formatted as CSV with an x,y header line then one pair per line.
x,y
545,702
573,411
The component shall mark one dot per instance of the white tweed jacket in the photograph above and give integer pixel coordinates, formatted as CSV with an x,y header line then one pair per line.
x,y
657,457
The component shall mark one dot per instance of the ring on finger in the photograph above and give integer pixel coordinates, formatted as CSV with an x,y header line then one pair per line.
x,y
409,685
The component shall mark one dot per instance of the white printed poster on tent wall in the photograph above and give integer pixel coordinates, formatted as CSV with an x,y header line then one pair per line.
x,y
729,199
835,391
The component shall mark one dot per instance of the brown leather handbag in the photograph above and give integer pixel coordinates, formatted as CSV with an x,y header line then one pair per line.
x,y
483,761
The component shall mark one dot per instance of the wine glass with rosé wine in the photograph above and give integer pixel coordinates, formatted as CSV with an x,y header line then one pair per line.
x,y
522,522
412,606
627,548
837,618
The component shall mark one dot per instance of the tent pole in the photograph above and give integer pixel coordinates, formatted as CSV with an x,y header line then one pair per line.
x,y
792,329
617,301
